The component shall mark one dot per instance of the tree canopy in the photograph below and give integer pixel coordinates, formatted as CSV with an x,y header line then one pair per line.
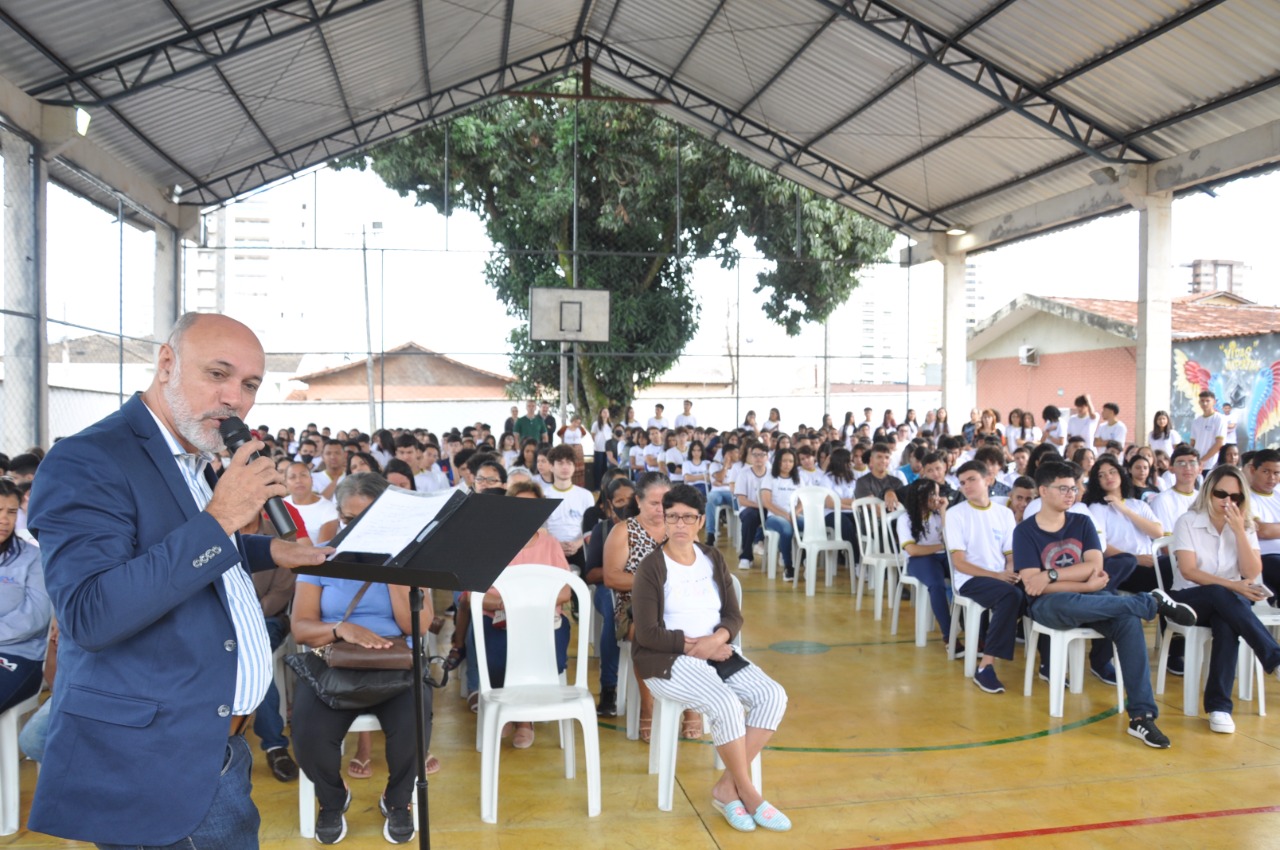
x,y
652,200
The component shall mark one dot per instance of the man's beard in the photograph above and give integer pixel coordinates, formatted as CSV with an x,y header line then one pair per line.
x,y
189,423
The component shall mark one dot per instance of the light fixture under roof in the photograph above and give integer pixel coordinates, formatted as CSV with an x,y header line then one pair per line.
x,y
82,120
956,231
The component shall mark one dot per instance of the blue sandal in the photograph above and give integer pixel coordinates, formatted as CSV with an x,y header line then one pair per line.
x,y
736,814
770,818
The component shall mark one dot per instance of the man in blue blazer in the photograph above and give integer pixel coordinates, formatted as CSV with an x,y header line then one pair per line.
x,y
162,656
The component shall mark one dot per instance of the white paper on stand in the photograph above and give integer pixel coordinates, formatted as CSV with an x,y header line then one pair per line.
x,y
397,518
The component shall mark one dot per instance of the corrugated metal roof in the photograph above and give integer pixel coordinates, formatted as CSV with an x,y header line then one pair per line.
x,y
848,88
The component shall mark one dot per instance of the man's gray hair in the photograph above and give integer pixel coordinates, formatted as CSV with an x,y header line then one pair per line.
x,y
180,328
367,484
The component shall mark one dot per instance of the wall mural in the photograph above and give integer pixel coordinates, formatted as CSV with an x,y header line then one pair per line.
x,y
1244,371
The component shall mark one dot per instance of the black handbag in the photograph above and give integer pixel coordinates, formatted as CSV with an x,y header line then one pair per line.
x,y
348,688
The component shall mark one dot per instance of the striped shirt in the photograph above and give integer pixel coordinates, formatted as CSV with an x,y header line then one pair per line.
x,y
253,647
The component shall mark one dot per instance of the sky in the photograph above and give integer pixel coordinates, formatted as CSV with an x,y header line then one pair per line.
x,y
429,287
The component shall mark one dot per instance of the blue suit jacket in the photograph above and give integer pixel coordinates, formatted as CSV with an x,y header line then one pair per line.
x,y
147,655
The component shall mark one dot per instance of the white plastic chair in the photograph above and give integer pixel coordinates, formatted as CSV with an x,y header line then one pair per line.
x,y
10,755
532,690
1066,650
919,593
663,742
307,790
972,610
876,560
816,539
628,691
731,522
1247,664
771,541
1198,639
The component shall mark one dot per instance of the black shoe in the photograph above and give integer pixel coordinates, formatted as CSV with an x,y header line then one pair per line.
x,y
1174,612
331,825
788,573
455,657
1144,729
399,828
608,706
1175,665
711,541
282,765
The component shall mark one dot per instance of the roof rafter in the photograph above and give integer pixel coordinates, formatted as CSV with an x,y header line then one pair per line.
x,y
384,126
235,95
768,144
782,69
115,113
1013,93
333,66
422,44
205,46
1160,29
895,83
506,41
697,39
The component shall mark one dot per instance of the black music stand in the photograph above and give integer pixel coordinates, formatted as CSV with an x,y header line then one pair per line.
x,y
466,546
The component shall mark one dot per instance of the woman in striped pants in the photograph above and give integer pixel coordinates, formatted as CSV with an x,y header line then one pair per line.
x,y
686,615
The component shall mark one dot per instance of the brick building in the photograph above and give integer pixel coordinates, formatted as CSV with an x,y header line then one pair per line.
x,y
1038,351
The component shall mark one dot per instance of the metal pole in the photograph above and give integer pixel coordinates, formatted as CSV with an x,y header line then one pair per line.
x,y
908,349
120,281
368,328
382,333
447,128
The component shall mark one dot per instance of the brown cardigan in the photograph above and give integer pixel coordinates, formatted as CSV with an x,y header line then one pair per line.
x,y
656,647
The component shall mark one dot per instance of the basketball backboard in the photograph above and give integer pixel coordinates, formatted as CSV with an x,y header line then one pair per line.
x,y
568,315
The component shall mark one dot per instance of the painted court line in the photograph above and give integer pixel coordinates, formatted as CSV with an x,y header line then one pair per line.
x,y
933,748
1064,830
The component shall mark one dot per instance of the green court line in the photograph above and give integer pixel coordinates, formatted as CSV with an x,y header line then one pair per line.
x,y
935,748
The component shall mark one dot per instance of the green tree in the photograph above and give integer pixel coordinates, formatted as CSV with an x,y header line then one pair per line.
x,y
512,163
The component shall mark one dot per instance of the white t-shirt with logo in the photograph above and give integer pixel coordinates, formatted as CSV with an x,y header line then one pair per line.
x,y
565,524
1169,505
1083,426
748,484
1205,430
984,535
1266,507
1121,532
1117,432
780,490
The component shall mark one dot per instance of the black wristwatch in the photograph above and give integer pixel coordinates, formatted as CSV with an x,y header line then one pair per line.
x,y
1053,575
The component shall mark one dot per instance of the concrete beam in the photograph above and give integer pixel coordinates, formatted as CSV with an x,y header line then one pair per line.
x,y
956,393
53,128
1116,188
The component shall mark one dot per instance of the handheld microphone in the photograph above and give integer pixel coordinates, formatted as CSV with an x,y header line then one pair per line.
x,y
235,434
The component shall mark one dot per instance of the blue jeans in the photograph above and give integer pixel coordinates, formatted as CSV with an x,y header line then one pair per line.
x,y
607,640
36,731
931,571
232,821
715,500
1119,619
1005,601
785,534
268,725
1230,617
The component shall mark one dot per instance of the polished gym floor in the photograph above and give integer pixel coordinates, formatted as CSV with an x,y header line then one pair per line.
x,y
884,745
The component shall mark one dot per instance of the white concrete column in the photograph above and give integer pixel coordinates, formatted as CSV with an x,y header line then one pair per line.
x,y
1155,310
24,420
956,393
168,281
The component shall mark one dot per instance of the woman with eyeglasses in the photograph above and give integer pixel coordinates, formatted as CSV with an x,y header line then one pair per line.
x,y
1128,526
1219,574
686,618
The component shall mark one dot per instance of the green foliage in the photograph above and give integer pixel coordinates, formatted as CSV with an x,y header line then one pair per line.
x,y
512,163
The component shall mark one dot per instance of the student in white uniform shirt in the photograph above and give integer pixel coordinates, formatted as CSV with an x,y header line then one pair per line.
x,y
1219,575
979,536
746,490
1084,421
722,474
696,469
775,495
1054,431
810,475
565,525
1232,418
1264,474
687,419
658,420
1131,527
1111,428
1208,431
1162,437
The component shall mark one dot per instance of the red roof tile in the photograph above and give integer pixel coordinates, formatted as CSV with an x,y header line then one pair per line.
x,y
1190,320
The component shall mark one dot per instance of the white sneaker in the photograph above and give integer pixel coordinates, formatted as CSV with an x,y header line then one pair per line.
x,y
758,548
744,564
1220,721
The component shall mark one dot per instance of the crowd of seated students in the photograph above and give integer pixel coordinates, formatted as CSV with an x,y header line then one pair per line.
x,y
971,492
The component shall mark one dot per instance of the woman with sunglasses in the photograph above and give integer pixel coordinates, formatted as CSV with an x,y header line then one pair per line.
x,y
1219,574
